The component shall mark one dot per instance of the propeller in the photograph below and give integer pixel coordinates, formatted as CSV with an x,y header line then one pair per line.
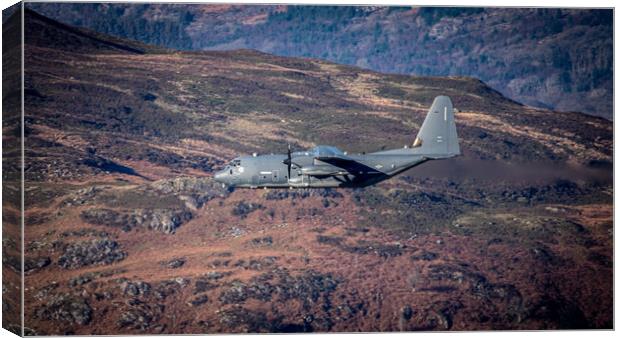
x,y
289,161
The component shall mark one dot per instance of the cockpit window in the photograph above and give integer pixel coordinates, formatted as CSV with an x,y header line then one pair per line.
x,y
235,163
326,151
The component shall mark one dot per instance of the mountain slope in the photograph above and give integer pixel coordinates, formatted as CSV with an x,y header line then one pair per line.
x,y
126,229
550,58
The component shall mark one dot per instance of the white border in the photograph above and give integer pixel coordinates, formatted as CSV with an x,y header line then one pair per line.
x,y
480,3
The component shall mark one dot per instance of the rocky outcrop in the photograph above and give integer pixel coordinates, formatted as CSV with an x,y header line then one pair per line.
x,y
13,262
93,252
302,193
307,287
135,288
66,308
193,191
169,287
209,281
91,276
505,296
363,247
139,316
32,265
261,241
174,263
240,319
243,209
163,220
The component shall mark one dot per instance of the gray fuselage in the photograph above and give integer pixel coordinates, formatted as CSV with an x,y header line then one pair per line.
x,y
270,171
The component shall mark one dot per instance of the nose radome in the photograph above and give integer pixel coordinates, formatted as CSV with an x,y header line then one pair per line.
x,y
219,176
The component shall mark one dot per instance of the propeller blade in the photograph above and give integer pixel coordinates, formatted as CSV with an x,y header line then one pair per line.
x,y
289,161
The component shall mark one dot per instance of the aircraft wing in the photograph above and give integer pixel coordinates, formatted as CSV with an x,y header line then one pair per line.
x,y
335,160
347,164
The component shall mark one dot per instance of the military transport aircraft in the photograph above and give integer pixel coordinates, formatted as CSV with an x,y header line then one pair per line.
x,y
327,166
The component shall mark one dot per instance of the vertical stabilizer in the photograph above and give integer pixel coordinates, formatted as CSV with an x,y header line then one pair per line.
x,y
437,137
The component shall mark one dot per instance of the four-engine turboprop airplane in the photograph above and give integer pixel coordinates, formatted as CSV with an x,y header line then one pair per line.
x,y
327,166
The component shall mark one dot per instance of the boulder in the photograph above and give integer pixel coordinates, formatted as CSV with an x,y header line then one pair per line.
x,y
175,263
135,288
198,300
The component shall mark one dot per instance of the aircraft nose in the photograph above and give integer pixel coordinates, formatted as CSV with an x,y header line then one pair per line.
x,y
220,176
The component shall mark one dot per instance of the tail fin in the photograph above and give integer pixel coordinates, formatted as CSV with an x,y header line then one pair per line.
x,y
437,138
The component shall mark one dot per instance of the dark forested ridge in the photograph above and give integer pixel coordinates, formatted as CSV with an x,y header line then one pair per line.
x,y
551,58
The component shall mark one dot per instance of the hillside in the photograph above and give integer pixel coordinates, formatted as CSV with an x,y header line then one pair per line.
x,y
550,58
127,233
11,174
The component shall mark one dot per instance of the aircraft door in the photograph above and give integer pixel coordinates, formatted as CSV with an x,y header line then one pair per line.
x,y
265,177
276,176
